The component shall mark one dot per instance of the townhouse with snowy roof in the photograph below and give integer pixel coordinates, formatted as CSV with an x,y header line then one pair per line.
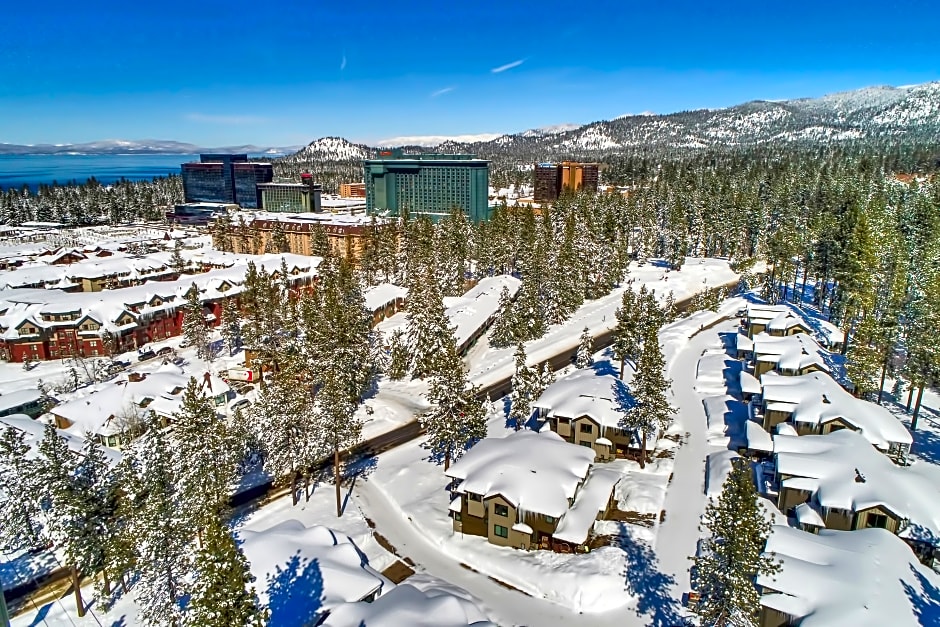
x,y
776,320
34,431
586,408
845,579
317,568
530,490
839,481
787,355
52,324
814,404
115,412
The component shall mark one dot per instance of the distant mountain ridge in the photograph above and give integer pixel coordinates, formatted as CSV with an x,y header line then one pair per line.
x,y
136,147
880,113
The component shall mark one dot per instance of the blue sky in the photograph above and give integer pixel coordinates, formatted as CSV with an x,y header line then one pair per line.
x,y
282,73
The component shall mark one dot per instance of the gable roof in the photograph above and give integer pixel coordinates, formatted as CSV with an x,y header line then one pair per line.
x,y
816,398
846,578
602,397
535,472
844,471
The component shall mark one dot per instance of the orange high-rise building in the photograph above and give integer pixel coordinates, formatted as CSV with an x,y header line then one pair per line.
x,y
352,190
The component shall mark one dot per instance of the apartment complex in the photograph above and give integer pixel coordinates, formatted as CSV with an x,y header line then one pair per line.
x,y
282,197
352,190
225,178
552,178
431,185
347,234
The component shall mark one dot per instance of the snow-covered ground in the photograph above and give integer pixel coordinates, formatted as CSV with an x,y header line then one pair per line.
x,y
489,365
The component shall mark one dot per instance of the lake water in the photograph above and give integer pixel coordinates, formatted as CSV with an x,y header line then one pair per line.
x,y
33,170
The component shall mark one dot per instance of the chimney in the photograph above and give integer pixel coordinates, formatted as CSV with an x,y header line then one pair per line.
x,y
859,477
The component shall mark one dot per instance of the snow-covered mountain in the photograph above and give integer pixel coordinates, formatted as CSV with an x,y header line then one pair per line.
x,y
334,149
140,147
884,114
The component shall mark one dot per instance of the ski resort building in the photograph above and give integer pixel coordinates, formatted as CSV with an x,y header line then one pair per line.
x,y
587,409
836,578
430,185
814,404
348,235
530,490
26,401
839,481
41,324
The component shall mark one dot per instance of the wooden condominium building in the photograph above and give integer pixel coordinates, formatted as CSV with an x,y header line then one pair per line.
x,y
586,409
347,234
530,490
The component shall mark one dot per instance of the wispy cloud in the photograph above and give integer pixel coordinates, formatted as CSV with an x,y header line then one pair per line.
x,y
435,140
441,92
208,118
508,66
342,64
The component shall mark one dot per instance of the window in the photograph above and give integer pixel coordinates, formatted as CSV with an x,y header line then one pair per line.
x,y
474,497
587,427
501,531
501,510
876,520
585,443
549,519
457,516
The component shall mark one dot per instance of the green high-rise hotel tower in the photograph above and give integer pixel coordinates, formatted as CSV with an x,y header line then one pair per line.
x,y
430,185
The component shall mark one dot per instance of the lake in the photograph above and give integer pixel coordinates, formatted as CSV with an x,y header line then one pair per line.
x,y
33,170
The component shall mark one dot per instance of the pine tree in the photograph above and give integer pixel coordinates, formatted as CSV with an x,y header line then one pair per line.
x,y
503,330
55,468
429,330
162,532
399,358
525,382
282,422
864,360
20,518
231,326
208,456
194,324
731,557
176,258
584,357
456,419
546,377
652,411
339,332
626,333
222,590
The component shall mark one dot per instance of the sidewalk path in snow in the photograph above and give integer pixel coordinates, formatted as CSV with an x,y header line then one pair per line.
x,y
685,498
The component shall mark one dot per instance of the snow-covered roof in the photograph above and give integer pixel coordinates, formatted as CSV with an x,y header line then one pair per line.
x,y
749,385
757,438
847,579
421,602
383,294
717,470
101,411
315,562
467,313
743,343
845,472
536,472
790,352
34,431
602,397
108,306
815,398
577,523
18,398
775,317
